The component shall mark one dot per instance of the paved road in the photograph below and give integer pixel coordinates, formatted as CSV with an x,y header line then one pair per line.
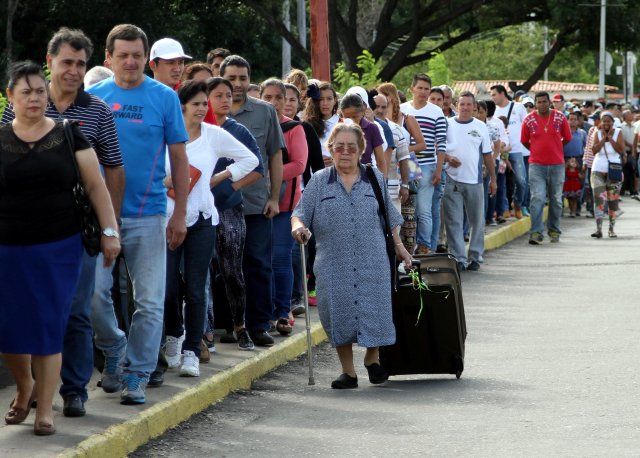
x,y
551,370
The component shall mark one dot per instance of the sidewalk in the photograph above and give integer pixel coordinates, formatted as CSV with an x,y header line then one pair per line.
x,y
112,430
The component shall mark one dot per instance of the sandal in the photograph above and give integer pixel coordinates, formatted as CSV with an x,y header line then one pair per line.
x,y
42,428
283,326
16,415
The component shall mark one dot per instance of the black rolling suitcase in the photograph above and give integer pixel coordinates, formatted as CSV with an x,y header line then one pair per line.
x,y
432,343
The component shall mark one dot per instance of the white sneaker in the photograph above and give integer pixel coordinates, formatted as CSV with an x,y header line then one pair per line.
x,y
190,365
172,351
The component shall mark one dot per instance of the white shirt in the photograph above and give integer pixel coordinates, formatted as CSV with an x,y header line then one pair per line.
x,y
600,163
468,141
329,124
203,153
518,114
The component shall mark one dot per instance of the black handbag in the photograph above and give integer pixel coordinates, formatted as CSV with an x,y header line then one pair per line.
x,y
614,171
388,236
89,226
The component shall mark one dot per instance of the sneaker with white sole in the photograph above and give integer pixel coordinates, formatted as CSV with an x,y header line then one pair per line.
x,y
172,351
244,340
190,364
133,392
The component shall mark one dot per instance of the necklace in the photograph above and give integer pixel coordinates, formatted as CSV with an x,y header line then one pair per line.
x,y
548,121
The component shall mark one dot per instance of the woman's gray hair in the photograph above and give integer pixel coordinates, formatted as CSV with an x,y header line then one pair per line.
x,y
354,128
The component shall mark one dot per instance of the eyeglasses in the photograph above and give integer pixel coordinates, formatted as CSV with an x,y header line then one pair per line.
x,y
350,148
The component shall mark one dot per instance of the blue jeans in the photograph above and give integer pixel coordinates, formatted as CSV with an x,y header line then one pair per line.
x,y
424,206
458,199
496,204
196,251
282,284
436,202
77,353
520,177
256,266
527,193
144,247
546,181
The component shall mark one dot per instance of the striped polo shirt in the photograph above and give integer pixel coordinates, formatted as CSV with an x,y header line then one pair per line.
x,y
433,125
95,120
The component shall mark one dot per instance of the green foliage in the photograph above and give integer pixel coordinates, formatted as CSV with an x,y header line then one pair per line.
x,y
3,103
438,69
510,53
368,77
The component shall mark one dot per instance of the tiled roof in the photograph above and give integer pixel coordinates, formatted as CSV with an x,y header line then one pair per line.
x,y
482,86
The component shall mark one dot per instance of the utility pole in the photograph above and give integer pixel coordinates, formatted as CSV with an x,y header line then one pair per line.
x,y
319,19
302,23
546,50
603,31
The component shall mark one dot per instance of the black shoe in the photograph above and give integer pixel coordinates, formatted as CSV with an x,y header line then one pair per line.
x,y
73,406
262,338
228,338
156,379
442,248
461,266
473,266
345,381
377,374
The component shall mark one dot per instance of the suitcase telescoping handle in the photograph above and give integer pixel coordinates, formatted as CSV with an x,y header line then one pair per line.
x,y
405,278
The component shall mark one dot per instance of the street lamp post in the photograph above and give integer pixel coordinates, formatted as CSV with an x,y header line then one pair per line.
x,y
603,31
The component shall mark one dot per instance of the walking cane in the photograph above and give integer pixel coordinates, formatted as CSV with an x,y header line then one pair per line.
x,y
303,261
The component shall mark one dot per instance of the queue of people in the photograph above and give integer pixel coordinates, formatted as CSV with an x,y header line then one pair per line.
x,y
206,189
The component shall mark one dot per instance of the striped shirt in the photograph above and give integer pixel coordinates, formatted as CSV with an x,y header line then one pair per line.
x,y
433,125
95,121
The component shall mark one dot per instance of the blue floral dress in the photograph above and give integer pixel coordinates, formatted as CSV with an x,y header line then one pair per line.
x,y
351,266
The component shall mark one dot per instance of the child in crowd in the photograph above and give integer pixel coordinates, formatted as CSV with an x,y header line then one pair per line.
x,y
572,185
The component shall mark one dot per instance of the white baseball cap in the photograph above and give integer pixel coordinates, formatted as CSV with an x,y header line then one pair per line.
x,y
359,90
167,48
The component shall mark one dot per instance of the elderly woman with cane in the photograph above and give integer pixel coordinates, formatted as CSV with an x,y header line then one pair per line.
x,y
353,286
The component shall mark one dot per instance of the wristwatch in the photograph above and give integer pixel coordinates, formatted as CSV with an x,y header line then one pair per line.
x,y
405,186
110,232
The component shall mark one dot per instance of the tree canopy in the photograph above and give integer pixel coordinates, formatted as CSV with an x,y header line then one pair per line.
x,y
397,33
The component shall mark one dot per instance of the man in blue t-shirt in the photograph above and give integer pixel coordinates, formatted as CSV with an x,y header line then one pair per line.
x,y
148,121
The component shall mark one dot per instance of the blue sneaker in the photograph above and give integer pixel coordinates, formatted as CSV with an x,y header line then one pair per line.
x,y
111,375
525,211
133,392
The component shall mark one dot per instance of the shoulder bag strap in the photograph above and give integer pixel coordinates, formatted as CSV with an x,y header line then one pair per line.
x,y
390,246
509,113
68,133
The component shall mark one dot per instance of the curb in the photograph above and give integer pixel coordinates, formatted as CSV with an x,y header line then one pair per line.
x,y
124,438
509,233
121,439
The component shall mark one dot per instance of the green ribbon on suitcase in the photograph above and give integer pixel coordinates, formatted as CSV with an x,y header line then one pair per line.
x,y
419,285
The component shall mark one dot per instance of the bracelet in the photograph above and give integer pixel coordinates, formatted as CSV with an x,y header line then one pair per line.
x,y
400,244
404,186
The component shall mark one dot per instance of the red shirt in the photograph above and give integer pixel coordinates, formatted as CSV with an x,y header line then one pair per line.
x,y
545,136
